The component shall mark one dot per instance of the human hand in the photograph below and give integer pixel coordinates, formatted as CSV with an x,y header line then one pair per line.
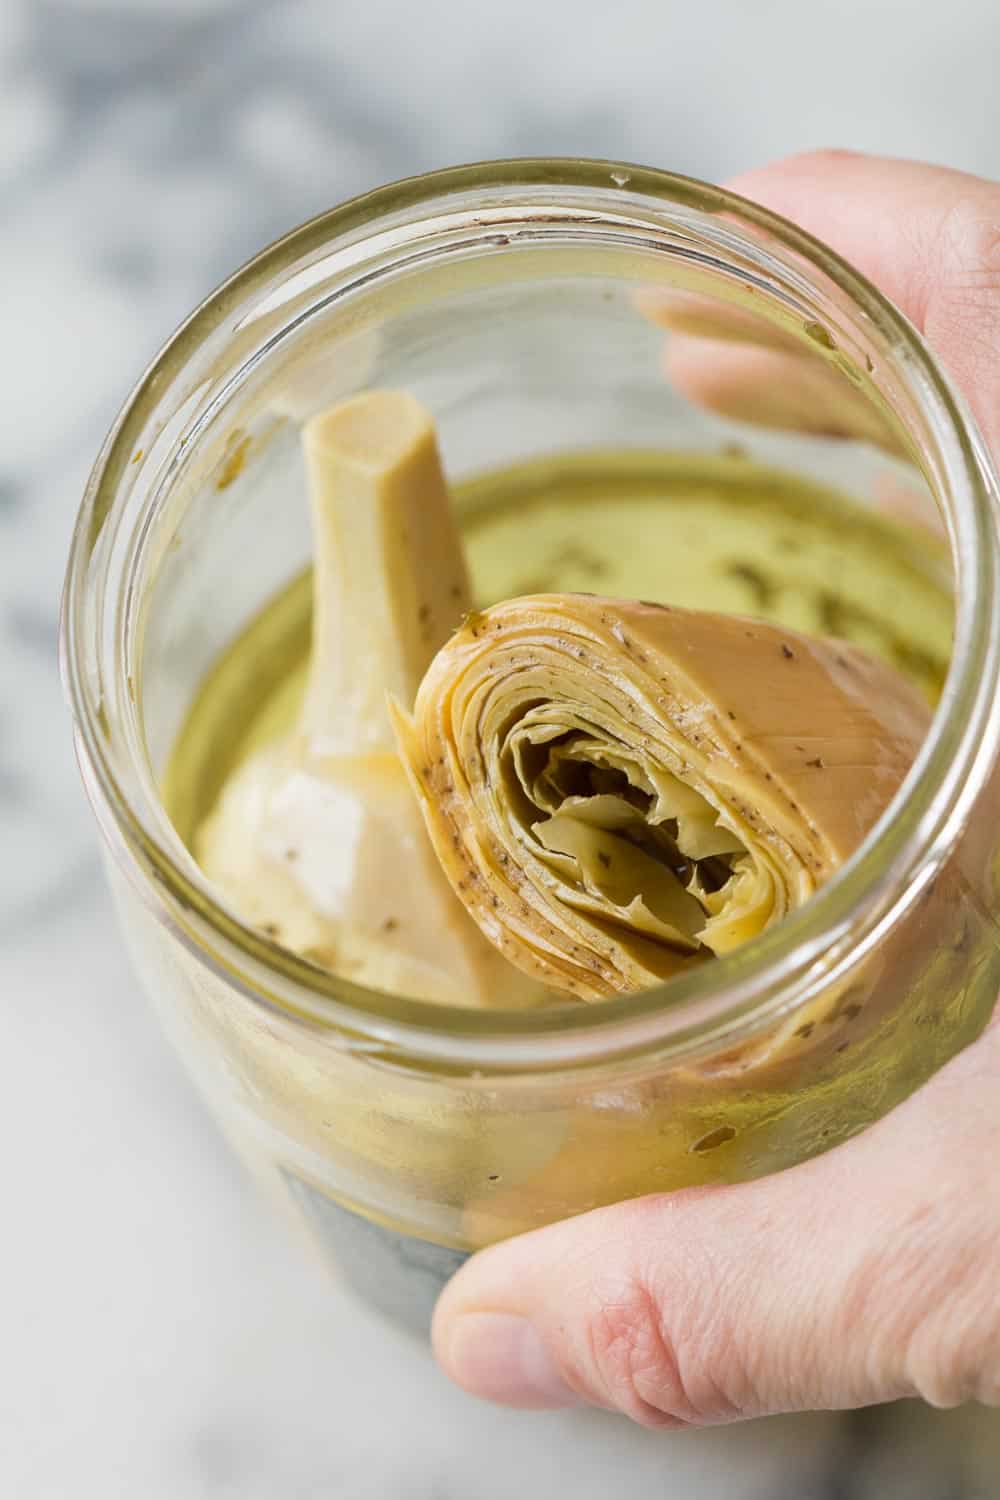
x,y
864,1275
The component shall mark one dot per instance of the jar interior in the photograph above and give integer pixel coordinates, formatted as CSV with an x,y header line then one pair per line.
x,y
547,373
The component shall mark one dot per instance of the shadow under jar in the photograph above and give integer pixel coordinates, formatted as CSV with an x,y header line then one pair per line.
x,y
525,304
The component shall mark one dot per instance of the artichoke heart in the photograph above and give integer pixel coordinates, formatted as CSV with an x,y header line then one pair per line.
x,y
620,790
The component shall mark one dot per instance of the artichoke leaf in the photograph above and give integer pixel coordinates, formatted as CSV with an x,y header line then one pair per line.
x,y
618,790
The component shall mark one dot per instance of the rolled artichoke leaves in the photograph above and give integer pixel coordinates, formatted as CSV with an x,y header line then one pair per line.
x,y
675,781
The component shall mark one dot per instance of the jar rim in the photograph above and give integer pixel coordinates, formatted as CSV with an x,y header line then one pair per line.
x,y
718,1003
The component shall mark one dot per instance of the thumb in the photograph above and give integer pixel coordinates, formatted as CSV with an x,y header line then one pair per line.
x,y
860,1277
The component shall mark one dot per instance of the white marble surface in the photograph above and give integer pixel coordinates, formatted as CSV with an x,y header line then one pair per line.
x,y
159,1336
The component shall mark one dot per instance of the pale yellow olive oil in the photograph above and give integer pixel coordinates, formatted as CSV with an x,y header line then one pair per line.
x,y
707,532
711,532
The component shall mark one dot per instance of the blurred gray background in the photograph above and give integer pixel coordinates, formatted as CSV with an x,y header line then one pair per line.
x,y
160,1337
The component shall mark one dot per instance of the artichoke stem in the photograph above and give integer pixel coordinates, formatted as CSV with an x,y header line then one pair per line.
x,y
390,577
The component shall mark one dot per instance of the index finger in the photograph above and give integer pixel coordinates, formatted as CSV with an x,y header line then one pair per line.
x,y
928,237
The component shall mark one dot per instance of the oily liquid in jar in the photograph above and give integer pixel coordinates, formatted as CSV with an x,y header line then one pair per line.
x,y
712,532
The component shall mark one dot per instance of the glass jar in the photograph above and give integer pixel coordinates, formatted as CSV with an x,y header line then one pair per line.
x,y
520,301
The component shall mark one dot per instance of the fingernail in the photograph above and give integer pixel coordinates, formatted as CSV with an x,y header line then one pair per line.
x,y
502,1358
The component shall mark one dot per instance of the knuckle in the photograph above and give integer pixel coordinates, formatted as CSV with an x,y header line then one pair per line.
x,y
969,255
948,1365
971,231
658,1376
952,1353
631,1358
928,1300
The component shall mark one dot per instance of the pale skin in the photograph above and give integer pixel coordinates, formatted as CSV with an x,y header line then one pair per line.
x,y
865,1275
